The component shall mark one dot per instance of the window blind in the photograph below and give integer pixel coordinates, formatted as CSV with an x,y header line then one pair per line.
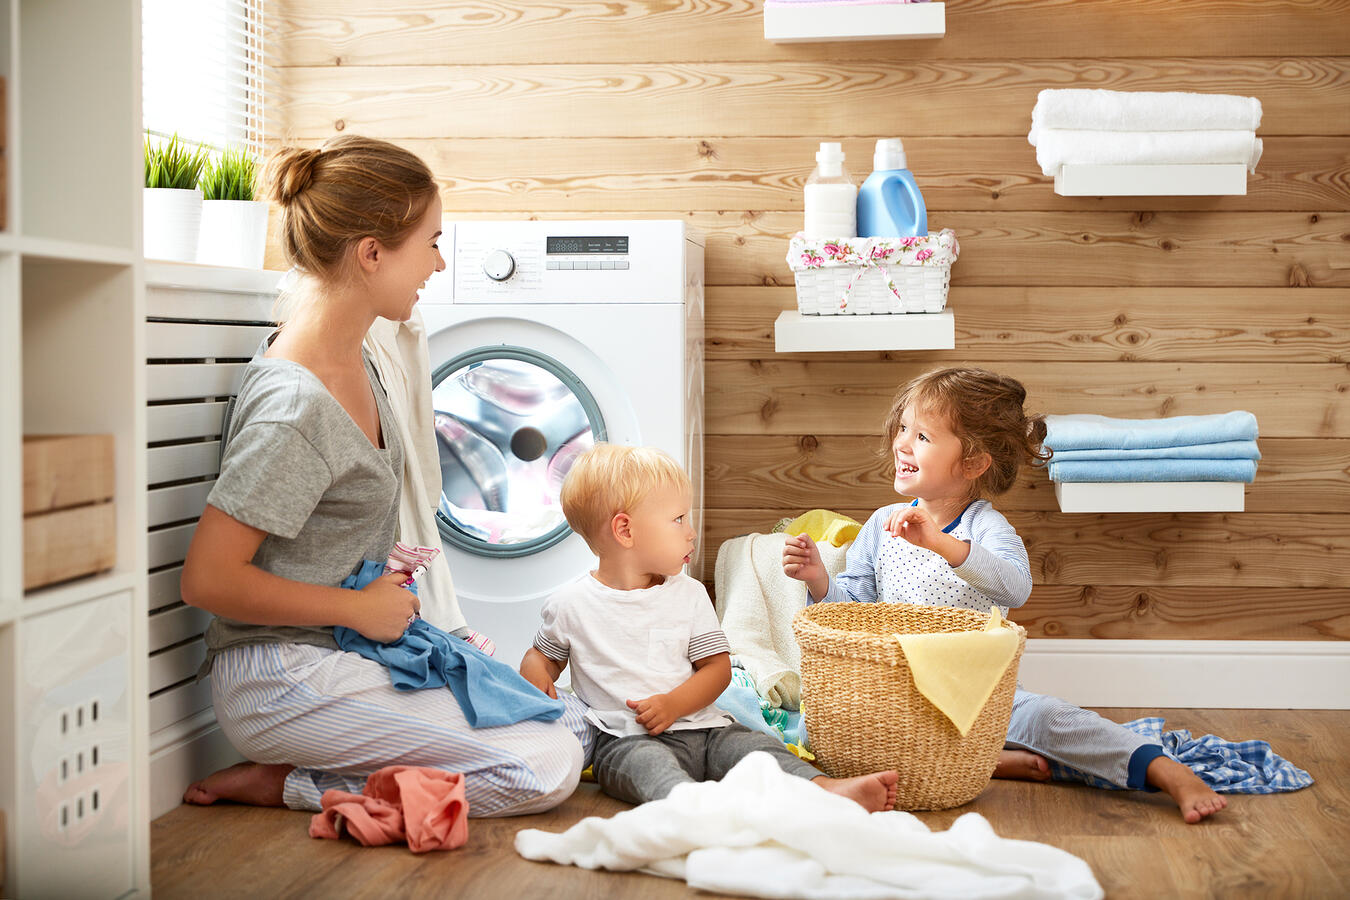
x,y
202,71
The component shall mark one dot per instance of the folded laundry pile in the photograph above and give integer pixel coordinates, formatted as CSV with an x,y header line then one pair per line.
x,y
1099,127
1092,448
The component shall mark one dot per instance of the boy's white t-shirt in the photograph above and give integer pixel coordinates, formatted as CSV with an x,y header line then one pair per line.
x,y
629,645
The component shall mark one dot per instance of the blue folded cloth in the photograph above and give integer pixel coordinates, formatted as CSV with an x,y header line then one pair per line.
x,y
1089,432
1153,470
1221,450
489,691
1229,767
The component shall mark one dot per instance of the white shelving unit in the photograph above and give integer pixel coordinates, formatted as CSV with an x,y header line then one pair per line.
x,y
1151,181
796,333
800,22
1150,497
73,783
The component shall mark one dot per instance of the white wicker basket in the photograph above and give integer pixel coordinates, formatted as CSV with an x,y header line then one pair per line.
x,y
922,289
872,276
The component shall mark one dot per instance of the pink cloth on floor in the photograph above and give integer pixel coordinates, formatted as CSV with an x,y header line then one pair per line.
x,y
424,806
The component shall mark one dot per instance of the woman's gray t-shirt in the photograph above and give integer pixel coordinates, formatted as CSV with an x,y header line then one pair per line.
x,y
299,468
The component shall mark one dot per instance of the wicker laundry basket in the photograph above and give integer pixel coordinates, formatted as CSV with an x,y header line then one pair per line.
x,y
863,713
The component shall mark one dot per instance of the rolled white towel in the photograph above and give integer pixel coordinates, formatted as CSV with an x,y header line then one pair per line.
x,y
1146,148
1101,110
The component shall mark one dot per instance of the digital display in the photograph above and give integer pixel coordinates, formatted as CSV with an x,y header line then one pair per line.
x,y
575,245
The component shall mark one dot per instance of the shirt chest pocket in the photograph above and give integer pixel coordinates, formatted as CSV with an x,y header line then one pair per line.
x,y
667,650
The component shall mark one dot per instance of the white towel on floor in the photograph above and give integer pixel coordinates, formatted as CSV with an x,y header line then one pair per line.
x,y
1145,148
755,603
763,833
399,351
1102,110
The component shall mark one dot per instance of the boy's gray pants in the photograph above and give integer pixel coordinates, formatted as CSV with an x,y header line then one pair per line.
x,y
643,767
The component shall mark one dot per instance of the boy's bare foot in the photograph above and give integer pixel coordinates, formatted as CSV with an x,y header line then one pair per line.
x,y
246,782
1022,765
1194,798
874,793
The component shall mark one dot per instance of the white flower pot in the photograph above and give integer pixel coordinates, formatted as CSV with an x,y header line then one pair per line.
x,y
172,219
233,233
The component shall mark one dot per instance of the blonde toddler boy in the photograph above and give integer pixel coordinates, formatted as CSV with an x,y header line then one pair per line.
x,y
648,655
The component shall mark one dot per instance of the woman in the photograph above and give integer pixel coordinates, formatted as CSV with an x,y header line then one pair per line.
x,y
308,488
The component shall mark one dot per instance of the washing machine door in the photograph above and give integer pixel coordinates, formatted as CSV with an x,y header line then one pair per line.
x,y
516,401
510,421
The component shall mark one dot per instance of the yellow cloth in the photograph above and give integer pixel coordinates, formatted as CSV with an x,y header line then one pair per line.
x,y
958,671
823,525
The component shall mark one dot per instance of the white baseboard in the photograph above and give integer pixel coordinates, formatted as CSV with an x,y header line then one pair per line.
x,y
1191,674
182,753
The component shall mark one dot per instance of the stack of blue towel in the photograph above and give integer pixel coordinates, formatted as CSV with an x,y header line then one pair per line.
x,y
1180,448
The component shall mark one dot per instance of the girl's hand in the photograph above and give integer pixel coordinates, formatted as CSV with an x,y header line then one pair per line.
x,y
385,608
655,713
801,560
915,526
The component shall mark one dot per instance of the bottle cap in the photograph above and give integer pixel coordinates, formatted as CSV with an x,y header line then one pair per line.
x,y
831,157
890,154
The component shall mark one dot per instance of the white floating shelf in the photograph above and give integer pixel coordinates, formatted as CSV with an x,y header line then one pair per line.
x,y
796,333
1150,496
1151,181
800,22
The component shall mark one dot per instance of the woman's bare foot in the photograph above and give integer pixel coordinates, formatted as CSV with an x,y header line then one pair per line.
x,y
874,793
1194,798
1022,765
246,782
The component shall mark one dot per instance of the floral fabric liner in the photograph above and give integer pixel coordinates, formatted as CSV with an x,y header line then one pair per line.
x,y
821,253
864,254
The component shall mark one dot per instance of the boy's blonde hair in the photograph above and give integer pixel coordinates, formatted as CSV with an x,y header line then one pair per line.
x,y
612,478
985,411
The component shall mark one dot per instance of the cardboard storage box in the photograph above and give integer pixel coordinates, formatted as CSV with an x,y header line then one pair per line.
x,y
69,525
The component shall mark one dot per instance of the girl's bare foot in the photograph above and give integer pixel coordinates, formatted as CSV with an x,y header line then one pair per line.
x,y
1022,765
246,782
874,793
1194,798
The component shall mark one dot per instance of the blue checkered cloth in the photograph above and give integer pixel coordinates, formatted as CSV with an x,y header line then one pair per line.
x,y
1229,767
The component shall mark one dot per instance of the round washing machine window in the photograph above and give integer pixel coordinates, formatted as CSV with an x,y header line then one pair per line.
x,y
510,422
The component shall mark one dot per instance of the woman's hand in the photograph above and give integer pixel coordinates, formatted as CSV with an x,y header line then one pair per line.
x,y
801,560
384,609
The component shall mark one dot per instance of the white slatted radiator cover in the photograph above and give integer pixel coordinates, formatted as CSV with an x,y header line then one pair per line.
x,y
202,327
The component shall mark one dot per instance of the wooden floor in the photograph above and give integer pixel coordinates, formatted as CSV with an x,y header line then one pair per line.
x,y
1281,845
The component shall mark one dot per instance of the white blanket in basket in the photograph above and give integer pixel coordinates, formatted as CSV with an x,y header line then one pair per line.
x,y
760,832
755,603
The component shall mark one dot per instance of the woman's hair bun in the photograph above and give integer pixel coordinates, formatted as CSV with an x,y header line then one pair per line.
x,y
290,171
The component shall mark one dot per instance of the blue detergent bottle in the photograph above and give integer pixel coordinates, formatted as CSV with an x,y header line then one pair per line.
x,y
889,202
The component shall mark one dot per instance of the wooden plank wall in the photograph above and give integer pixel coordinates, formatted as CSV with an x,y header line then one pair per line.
x,y
1129,306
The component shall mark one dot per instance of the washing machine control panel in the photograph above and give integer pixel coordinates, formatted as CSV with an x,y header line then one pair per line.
x,y
561,262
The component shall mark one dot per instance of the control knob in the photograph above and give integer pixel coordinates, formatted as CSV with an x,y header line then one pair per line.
x,y
498,265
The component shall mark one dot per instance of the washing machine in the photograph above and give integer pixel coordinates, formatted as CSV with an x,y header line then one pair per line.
x,y
546,337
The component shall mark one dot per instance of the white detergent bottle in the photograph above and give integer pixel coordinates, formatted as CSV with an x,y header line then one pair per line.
x,y
889,202
831,197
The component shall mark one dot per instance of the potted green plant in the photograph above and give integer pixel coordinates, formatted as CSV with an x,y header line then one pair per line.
x,y
173,202
234,222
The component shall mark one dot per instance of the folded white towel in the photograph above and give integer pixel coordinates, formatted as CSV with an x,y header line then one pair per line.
x,y
755,604
1146,148
1101,110
764,833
